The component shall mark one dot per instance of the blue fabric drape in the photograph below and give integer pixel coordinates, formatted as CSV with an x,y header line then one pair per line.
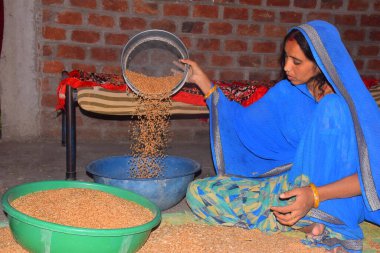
x,y
324,141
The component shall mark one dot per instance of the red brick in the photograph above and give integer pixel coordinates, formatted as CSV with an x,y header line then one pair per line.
x,y
53,33
142,7
167,25
48,100
353,35
47,2
275,30
374,64
232,75
368,50
332,4
260,76
115,5
116,39
345,20
47,15
186,41
264,47
44,84
358,5
104,54
47,50
272,61
309,4
72,52
85,36
320,15
376,5
208,44
211,74
248,30
111,69
374,35
192,27
132,23
69,18
220,28
101,20
291,17
235,45
250,2
200,58
370,20
235,13
91,4
53,67
176,10
263,15
84,67
278,3
223,1
205,11
221,60
249,61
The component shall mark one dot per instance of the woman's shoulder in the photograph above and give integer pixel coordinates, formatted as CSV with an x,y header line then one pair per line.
x,y
332,100
286,90
334,107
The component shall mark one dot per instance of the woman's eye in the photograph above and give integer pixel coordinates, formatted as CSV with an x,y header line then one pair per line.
x,y
297,62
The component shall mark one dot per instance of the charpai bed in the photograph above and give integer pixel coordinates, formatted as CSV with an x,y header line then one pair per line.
x,y
107,94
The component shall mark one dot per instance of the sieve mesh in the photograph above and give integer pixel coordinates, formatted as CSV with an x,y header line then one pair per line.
x,y
152,53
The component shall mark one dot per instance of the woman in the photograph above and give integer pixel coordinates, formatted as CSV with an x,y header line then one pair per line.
x,y
304,155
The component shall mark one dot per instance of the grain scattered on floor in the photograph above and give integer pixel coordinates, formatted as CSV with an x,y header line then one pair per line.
x,y
192,238
7,243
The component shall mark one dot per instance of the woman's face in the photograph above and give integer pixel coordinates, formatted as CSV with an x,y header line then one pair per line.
x,y
298,68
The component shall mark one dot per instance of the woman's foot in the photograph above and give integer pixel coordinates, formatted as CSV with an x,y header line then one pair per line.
x,y
313,230
316,229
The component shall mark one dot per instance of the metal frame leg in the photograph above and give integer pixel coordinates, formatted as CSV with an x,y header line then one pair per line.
x,y
70,134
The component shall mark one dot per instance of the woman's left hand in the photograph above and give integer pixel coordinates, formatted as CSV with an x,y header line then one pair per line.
x,y
304,201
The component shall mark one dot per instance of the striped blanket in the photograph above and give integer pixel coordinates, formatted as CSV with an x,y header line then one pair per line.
x,y
108,94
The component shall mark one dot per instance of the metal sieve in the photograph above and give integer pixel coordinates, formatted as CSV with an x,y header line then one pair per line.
x,y
152,53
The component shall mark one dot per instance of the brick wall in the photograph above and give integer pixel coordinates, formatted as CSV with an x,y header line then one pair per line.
x,y
231,39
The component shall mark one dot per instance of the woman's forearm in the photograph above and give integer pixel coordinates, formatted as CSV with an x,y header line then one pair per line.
x,y
344,188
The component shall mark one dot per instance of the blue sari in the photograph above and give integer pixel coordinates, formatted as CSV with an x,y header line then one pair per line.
x,y
289,136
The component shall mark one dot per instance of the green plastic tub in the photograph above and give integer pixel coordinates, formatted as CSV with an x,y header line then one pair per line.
x,y
40,236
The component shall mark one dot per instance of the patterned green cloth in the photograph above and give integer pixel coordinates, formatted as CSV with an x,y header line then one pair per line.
x,y
246,203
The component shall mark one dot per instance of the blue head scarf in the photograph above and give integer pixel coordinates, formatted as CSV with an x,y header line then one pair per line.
x,y
339,69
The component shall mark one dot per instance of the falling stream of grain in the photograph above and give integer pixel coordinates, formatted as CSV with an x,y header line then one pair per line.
x,y
150,130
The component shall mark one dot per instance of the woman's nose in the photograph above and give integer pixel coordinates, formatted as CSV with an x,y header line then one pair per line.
x,y
287,66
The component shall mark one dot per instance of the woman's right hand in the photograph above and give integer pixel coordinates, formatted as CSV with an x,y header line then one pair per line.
x,y
197,76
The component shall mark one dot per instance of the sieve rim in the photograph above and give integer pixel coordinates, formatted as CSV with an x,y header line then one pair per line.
x,y
154,35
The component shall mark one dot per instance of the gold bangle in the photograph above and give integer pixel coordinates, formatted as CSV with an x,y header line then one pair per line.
x,y
315,194
210,91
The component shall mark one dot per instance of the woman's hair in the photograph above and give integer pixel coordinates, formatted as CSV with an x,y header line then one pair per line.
x,y
296,35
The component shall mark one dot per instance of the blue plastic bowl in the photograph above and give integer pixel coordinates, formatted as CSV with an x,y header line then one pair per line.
x,y
165,191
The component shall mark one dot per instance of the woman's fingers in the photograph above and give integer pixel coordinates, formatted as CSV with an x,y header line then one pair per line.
x,y
179,65
288,219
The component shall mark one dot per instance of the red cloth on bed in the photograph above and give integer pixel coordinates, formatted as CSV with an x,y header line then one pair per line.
x,y
244,92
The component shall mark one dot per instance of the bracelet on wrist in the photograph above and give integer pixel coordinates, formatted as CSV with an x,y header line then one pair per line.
x,y
210,91
315,195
